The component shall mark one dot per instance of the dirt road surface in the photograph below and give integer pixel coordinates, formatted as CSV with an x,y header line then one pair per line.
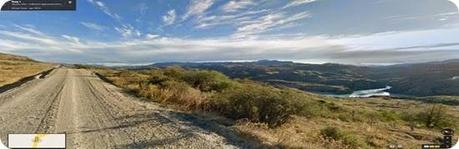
x,y
95,114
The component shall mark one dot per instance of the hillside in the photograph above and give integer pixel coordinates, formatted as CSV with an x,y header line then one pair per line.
x,y
425,79
14,68
327,78
285,117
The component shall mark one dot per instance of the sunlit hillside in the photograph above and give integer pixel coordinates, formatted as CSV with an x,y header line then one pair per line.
x,y
14,68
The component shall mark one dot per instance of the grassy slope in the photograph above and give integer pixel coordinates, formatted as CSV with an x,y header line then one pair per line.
x,y
13,68
370,133
365,123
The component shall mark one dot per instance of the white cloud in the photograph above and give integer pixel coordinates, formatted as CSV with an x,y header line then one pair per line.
x,y
100,5
151,36
267,22
153,48
93,26
236,5
10,45
456,2
26,36
412,40
29,29
231,19
71,38
170,17
249,20
128,31
31,41
295,3
197,8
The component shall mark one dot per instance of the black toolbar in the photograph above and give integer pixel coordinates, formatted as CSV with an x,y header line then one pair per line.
x,y
32,5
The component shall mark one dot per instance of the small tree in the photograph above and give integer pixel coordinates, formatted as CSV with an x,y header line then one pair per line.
x,y
435,117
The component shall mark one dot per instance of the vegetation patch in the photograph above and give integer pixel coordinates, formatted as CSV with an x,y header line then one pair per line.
x,y
214,92
276,108
336,134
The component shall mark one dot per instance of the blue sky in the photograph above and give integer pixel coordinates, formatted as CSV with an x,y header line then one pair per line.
x,y
310,31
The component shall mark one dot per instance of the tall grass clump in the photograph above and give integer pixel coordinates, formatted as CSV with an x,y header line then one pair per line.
x,y
336,134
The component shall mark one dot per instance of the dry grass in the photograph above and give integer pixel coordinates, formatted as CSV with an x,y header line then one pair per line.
x,y
14,68
301,132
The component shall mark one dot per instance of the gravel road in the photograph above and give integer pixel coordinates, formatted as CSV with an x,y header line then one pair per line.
x,y
95,114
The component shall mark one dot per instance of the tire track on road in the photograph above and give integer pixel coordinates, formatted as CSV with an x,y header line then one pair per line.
x,y
48,121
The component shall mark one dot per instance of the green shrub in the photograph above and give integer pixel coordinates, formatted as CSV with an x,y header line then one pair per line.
x,y
174,71
257,103
206,80
157,77
347,138
389,116
303,104
331,133
435,117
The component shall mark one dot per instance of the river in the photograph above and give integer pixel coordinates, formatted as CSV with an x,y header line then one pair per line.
x,y
365,93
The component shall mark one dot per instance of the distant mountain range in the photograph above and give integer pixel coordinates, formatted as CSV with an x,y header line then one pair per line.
x,y
422,79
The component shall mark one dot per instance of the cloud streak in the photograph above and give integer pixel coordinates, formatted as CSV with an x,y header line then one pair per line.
x,y
93,26
295,3
197,8
67,48
128,31
267,22
100,5
249,20
236,5
155,49
170,17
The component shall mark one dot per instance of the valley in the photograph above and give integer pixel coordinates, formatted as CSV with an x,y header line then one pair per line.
x,y
424,79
